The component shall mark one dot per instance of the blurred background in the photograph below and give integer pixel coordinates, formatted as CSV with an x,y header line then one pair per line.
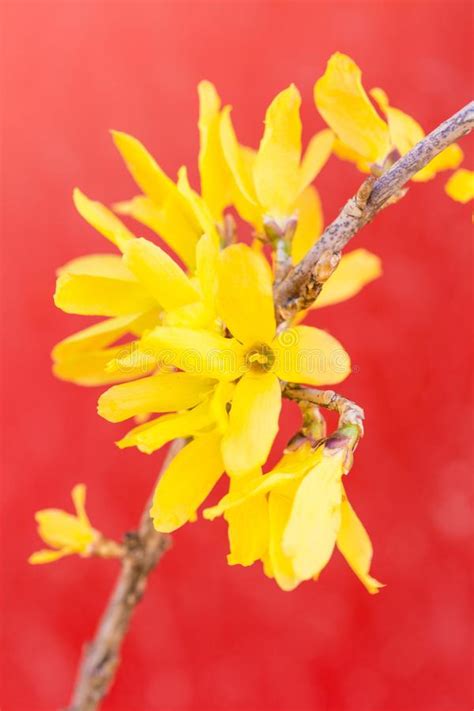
x,y
209,637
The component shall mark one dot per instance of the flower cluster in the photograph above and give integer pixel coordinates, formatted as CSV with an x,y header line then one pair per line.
x,y
195,342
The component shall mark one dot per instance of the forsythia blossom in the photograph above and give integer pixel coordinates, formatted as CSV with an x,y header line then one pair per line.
x,y
306,502
65,533
362,136
198,346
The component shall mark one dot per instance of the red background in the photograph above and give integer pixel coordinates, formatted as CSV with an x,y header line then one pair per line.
x,y
209,637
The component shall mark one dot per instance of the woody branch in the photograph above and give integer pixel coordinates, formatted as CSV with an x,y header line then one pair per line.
x,y
143,550
304,282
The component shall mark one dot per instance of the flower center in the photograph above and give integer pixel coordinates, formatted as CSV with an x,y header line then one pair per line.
x,y
260,358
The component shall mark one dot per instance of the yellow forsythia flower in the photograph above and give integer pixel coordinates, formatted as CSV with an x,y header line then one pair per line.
x,y
363,137
254,354
270,181
66,534
294,517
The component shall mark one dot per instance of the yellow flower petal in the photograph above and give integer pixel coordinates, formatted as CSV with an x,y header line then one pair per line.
x,y
165,392
356,269
100,285
304,354
98,336
460,186
281,567
253,485
354,543
132,360
248,527
310,223
155,434
159,274
48,556
277,168
201,211
186,483
78,495
405,132
215,178
345,153
316,156
314,522
241,163
197,351
62,530
102,219
106,265
168,220
207,259
253,422
91,368
244,295
344,105
146,172
220,404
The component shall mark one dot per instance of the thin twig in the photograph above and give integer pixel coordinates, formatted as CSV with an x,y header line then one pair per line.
x,y
102,655
349,412
303,284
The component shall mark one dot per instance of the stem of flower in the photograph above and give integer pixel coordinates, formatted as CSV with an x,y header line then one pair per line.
x,y
101,657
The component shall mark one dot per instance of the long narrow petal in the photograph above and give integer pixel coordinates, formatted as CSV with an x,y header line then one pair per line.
x,y
146,172
197,351
310,223
105,265
253,422
344,152
460,186
215,177
168,220
355,270
237,163
78,495
244,295
315,519
279,507
344,105
304,354
187,482
94,337
277,168
165,392
48,556
253,485
91,295
91,368
207,260
59,529
102,219
316,156
155,434
354,543
248,527
200,209
159,274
